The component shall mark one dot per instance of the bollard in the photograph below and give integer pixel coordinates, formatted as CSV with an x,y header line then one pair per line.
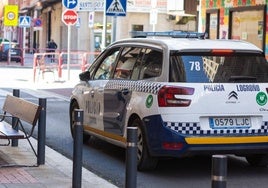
x,y
78,146
131,158
15,142
41,145
219,171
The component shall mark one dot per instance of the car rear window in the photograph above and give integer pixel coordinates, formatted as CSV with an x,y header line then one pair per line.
x,y
218,69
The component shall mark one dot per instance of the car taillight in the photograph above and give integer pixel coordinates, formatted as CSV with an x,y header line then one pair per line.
x,y
169,96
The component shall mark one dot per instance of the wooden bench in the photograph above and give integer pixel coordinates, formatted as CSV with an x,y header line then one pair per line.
x,y
21,111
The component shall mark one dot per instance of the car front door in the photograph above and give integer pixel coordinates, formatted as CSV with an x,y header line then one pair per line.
x,y
95,92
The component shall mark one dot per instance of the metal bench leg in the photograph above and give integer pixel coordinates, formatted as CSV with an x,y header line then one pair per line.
x,y
35,153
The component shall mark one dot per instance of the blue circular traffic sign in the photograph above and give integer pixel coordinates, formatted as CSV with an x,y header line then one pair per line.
x,y
70,4
37,22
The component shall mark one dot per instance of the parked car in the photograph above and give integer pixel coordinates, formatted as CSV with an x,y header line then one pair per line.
x,y
3,40
15,51
186,95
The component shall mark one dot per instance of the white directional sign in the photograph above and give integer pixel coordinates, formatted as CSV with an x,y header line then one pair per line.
x,y
24,21
85,5
116,8
90,5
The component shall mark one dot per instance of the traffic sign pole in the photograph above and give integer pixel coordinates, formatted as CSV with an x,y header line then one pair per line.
x,y
104,29
68,51
69,17
114,28
23,43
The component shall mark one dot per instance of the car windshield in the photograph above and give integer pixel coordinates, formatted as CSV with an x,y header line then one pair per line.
x,y
218,68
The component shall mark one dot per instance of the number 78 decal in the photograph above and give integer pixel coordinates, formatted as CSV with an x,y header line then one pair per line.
x,y
195,65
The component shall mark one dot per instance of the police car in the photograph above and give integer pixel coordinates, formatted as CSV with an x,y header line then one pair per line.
x,y
186,95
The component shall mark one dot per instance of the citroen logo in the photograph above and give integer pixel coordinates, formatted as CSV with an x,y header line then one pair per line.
x,y
233,94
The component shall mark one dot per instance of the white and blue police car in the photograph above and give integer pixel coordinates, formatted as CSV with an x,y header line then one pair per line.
x,y
186,95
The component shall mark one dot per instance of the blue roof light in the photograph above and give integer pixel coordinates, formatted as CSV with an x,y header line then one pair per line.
x,y
173,34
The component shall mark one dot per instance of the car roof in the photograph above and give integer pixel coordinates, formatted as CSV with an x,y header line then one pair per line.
x,y
192,43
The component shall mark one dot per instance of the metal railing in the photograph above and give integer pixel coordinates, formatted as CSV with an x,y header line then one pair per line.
x,y
47,61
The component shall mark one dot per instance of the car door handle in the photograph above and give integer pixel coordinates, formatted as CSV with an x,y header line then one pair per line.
x,y
92,93
125,91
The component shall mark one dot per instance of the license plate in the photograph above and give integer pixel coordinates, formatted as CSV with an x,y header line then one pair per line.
x,y
230,122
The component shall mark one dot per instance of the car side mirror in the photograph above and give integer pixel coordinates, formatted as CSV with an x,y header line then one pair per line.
x,y
84,76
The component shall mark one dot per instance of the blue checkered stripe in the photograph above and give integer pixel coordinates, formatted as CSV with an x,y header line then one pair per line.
x,y
139,86
195,129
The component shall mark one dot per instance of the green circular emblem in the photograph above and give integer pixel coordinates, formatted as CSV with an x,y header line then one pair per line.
x,y
261,98
149,101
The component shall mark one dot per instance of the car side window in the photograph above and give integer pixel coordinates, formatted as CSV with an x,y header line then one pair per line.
x,y
151,64
177,70
126,63
106,68
138,63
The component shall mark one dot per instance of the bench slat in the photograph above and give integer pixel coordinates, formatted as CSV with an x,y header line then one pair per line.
x,y
7,132
22,109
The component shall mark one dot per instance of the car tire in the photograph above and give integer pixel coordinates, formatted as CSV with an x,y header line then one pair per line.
x,y
145,161
260,160
74,106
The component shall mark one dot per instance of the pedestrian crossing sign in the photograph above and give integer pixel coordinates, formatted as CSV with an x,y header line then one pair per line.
x,y
24,21
116,7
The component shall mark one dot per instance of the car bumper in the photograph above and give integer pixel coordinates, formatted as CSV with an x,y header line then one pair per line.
x,y
163,141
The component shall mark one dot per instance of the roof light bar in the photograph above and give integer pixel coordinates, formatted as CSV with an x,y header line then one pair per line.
x,y
173,34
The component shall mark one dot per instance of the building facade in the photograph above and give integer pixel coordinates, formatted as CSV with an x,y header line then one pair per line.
x,y
221,19
170,15
236,19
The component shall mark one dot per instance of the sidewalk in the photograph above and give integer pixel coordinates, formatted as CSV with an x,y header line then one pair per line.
x,y
57,170
19,76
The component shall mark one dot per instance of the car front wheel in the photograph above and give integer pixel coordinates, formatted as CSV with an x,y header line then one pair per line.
x,y
74,106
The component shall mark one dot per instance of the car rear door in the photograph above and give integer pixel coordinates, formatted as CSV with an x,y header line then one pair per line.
x,y
117,91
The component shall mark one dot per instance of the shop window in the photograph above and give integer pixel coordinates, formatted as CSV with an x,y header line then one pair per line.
x,y
137,27
248,25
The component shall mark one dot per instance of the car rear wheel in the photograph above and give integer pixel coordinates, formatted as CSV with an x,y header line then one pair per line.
x,y
74,105
145,161
260,160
